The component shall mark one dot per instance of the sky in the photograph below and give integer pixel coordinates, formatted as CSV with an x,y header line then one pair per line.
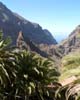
x,y
60,17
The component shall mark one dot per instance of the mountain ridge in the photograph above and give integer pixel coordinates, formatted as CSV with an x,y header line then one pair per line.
x,y
72,43
11,23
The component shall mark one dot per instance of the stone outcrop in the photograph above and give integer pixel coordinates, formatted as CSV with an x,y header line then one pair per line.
x,y
28,45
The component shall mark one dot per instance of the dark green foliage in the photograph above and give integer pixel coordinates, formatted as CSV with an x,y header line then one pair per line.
x,y
24,75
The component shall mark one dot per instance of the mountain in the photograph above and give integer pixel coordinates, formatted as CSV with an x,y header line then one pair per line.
x,y
29,45
72,43
11,23
49,34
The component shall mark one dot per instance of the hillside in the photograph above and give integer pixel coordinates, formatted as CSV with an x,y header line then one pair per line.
x,y
72,43
11,23
70,65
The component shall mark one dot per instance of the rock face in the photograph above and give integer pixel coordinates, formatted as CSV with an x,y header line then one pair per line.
x,y
72,43
29,45
11,23
49,35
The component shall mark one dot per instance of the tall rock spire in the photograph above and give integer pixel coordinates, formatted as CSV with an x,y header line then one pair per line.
x,y
21,44
20,40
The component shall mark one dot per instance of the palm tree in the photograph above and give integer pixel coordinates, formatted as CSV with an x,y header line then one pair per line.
x,y
24,75
7,69
34,73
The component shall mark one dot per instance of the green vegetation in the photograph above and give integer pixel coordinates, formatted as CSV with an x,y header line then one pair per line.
x,y
28,76
78,36
71,65
70,71
24,75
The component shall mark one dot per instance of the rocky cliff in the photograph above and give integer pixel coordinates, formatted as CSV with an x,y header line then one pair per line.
x,y
11,23
72,43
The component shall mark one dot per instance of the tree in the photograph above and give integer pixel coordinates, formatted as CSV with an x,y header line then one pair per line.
x,y
24,75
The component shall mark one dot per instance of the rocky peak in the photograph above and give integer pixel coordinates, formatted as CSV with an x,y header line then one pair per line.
x,y
76,31
72,43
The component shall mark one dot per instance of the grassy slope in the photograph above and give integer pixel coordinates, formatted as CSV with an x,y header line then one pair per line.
x,y
70,66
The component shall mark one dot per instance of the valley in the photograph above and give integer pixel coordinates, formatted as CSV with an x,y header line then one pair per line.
x,y
34,66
